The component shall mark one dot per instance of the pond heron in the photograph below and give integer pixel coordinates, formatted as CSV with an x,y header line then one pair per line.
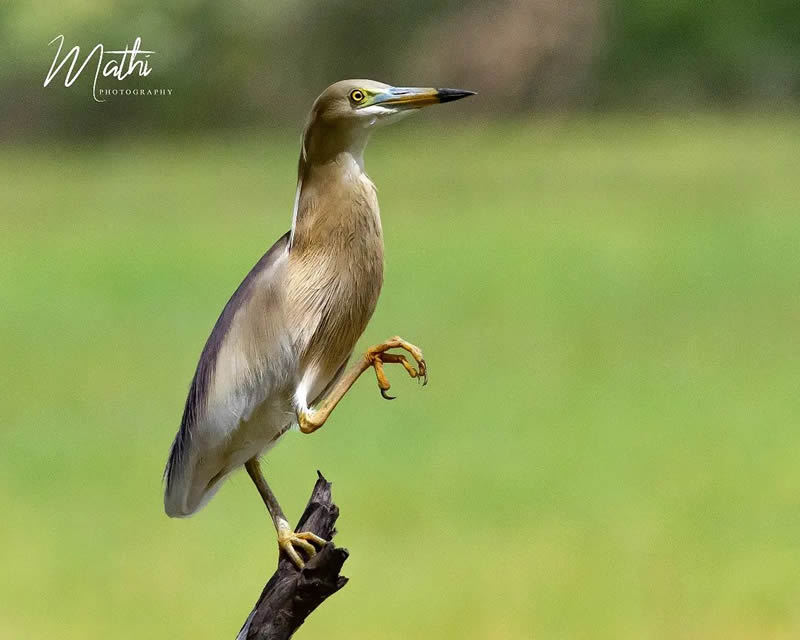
x,y
278,353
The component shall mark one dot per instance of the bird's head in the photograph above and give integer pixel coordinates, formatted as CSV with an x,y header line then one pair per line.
x,y
345,113
367,103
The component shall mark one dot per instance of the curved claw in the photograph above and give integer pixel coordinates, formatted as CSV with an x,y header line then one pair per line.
x,y
378,355
386,396
423,372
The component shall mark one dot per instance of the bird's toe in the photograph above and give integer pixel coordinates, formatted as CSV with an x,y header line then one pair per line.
x,y
290,542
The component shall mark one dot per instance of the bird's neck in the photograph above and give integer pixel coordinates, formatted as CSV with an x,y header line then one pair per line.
x,y
323,142
337,207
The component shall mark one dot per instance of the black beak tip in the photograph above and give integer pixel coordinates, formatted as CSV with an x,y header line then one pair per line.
x,y
448,95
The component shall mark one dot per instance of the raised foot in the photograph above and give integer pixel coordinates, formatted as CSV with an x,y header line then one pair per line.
x,y
377,356
289,541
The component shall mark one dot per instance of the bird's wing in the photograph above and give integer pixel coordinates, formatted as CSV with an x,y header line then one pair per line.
x,y
241,363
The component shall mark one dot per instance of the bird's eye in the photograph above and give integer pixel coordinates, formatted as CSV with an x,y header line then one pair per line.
x,y
357,96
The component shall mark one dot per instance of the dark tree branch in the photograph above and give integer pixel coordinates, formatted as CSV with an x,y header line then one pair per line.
x,y
291,595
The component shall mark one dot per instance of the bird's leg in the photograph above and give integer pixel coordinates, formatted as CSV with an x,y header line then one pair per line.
x,y
376,357
288,539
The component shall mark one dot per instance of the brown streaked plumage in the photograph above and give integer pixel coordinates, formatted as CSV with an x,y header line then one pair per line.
x,y
283,340
335,270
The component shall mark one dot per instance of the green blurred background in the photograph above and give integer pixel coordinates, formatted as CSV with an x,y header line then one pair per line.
x,y
599,255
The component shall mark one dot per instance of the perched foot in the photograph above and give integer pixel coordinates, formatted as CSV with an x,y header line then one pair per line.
x,y
377,356
288,540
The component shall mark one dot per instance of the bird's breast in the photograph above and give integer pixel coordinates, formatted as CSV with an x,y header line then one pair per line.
x,y
335,272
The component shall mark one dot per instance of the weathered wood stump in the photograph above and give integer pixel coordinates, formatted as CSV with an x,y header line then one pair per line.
x,y
291,595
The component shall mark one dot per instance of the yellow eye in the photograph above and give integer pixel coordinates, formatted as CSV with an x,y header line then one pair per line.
x,y
357,96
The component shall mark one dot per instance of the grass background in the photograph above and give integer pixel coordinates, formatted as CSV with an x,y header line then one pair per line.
x,y
608,447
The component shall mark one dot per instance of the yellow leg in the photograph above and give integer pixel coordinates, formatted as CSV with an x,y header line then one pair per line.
x,y
287,538
375,357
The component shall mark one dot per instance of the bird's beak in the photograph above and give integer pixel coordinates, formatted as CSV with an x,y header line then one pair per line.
x,y
417,97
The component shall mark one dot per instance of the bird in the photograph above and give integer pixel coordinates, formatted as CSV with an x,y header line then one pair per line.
x,y
278,354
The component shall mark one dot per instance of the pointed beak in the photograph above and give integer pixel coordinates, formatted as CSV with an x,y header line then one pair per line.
x,y
417,97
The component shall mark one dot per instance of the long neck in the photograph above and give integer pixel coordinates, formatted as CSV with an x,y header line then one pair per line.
x,y
323,141
329,170
337,207
334,195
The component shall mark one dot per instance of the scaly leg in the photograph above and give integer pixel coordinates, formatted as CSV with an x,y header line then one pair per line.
x,y
287,538
375,357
